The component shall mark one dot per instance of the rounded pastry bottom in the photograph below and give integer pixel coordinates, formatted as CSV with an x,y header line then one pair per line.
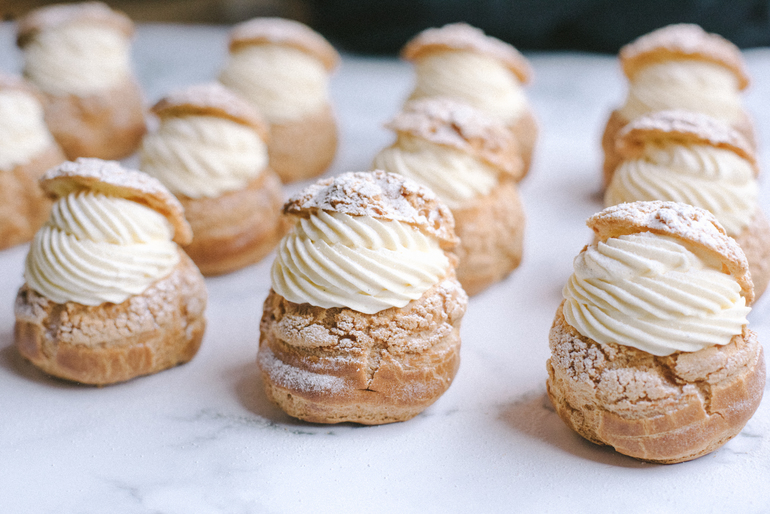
x,y
112,343
525,130
491,232
238,228
657,409
23,205
339,365
304,148
108,125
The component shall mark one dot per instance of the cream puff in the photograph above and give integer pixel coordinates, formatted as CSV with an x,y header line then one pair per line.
x,y
362,323
460,61
688,157
210,150
78,55
650,353
282,67
680,67
471,161
109,295
27,150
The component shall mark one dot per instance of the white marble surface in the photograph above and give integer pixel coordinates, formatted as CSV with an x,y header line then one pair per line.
x,y
202,438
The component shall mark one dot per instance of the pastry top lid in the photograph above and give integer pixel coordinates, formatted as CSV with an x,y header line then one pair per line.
x,y
684,127
694,226
381,195
211,99
683,41
53,16
452,123
110,178
461,36
280,31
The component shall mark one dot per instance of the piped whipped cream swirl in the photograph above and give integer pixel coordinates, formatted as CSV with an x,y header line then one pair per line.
x,y
652,293
78,58
283,83
712,178
23,133
359,262
480,80
203,156
97,248
691,85
455,176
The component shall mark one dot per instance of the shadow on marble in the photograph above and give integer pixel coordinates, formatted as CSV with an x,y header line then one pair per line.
x,y
12,361
251,394
533,415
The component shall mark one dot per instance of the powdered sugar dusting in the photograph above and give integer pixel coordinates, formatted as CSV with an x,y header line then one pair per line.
x,y
381,195
691,224
211,99
461,36
449,122
684,40
297,379
693,127
280,31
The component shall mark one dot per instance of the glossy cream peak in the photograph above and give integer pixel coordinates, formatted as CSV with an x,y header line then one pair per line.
x,y
359,262
455,176
651,293
23,133
78,58
480,80
203,156
691,85
283,83
712,178
97,248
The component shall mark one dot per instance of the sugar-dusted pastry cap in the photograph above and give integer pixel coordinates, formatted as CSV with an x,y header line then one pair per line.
x,y
449,122
695,226
52,16
280,31
684,127
111,178
211,99
381,195
461,36
683,41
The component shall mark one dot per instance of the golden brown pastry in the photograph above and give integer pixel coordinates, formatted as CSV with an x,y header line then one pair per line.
x,y
680,67
650,353
682,156
78,56
210,150
108,294
362,323
27,150
461,62
282,67
471,161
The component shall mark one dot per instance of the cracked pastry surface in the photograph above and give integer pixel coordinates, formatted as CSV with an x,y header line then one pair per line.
x,y
471,161
109,295
385,348
649,398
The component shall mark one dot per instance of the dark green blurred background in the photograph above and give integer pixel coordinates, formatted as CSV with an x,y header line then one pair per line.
x,y
382,26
